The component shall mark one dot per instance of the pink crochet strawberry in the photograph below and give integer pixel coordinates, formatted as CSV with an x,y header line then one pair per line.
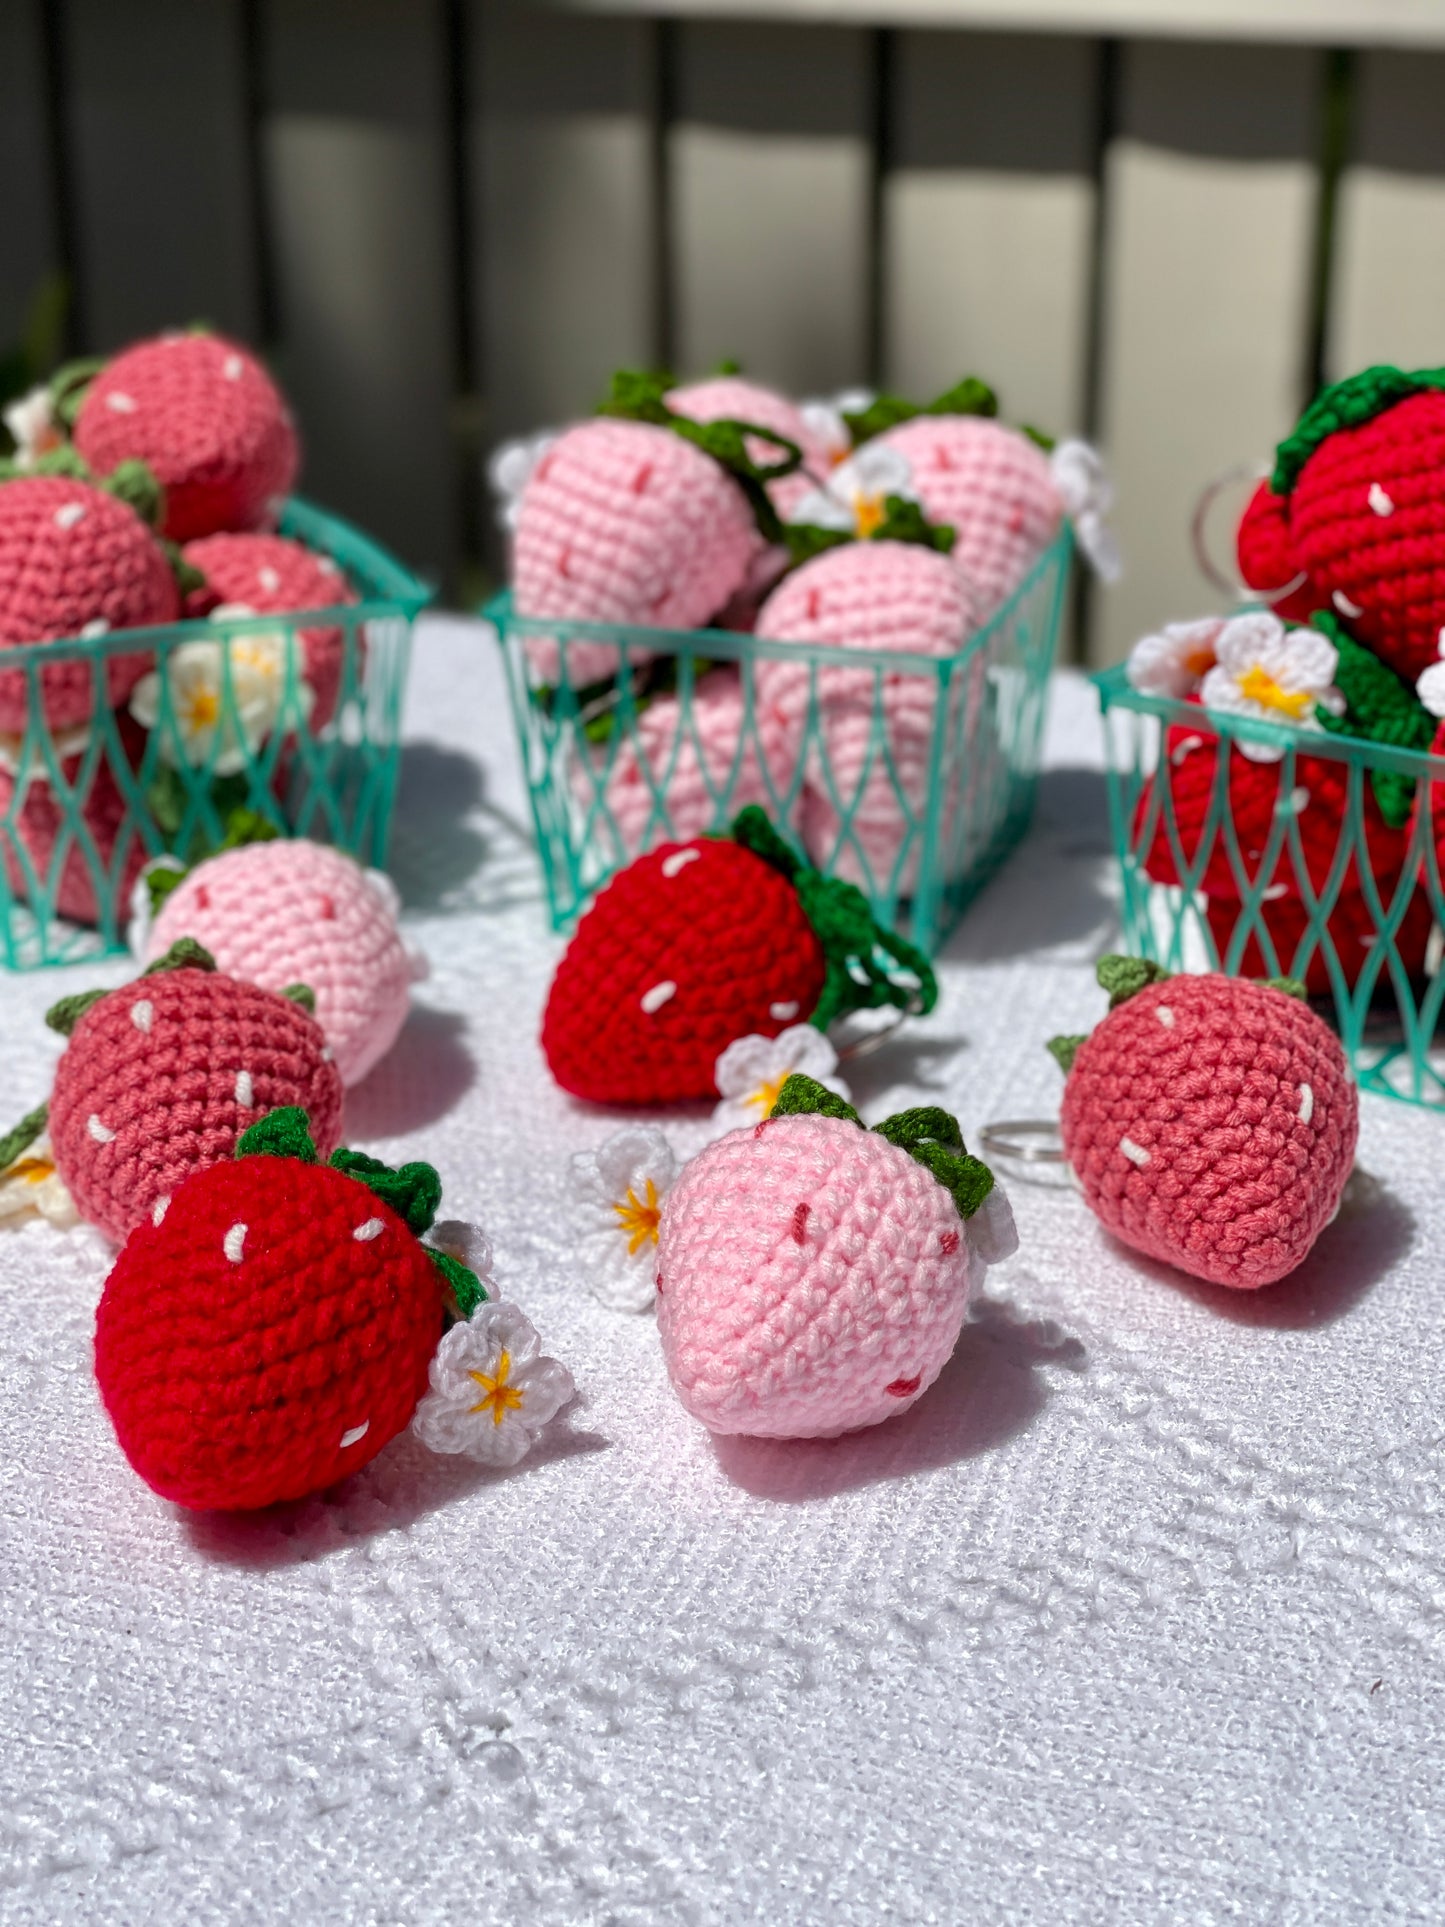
x,y
162,1076
270,574
285,912
71,849
1210,1123
75,561
206,418
696,944
731,398
1358,508
813,1275
865,735
270,1327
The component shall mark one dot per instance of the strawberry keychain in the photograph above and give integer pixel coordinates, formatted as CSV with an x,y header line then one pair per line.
x,y
696,944
812,1275
277,1321
162,1076
1209,1122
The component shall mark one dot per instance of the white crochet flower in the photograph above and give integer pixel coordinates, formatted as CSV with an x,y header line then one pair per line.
x,y
753,1070
30,762
619,1189
823,415
991,1232
31,1187
1276,674
854,497
469,1245
492,1391
1176,660
199,715
32,426
510,468
1087,495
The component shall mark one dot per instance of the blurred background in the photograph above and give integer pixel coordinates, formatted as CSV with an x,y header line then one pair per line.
x,y
1161,223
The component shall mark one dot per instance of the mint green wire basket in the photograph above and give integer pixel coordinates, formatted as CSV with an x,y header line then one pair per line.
x,y
231,727
919,817
1364,935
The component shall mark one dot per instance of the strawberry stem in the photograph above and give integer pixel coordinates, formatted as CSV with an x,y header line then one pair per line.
x,y
22,1135
804,1096
1346,404
931,1136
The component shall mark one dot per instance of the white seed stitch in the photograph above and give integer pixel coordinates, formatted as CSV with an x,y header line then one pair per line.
x,y
364,1233
782,1012
1344,605
1165,1015
142,1015
121,404
1306,1103
102,1133
356,1434
1379,501
326,1053
269,579
1135,1153
68,514
231,368
1274,893
96,627
234,1243
160,1208
245,1090
1186,748
1299,799
654,999
679,860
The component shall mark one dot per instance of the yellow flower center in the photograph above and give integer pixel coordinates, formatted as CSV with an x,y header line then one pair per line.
x,y
767,1094
32,1170
201,708
1260,687
638,1219
870,512
498,1396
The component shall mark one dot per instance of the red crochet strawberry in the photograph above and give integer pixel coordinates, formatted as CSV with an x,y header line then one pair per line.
x,y
206,418
161,1077
1361,493
1353,932
75,560
272,575
271,1328
696,944
1267,561
1209,1122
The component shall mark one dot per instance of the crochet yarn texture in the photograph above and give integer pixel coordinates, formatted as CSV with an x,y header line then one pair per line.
x,y
206,418
292,912
45,821
273,575
1352,931
162,1077
732,398
1211,1124
1267,561
74,561
812,1277
270,1331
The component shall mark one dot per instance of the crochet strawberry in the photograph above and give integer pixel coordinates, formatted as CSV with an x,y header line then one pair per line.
x,y
1267,561
75,560
206,418
731,398
72,847
1352,933
813,1275
1210,1123
1360,494
287,911
699,943
161,1077
270,574
269,1327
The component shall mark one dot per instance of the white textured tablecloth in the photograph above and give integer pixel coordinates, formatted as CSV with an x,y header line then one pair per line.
x,y
1138,1616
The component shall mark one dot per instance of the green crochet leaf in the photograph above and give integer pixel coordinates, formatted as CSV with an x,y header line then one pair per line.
x,y
162,880
303,995
1040,437
282,1133
1291,987
967,397
932,1137
1346,404
1381,707
906,522
804,540
413,1192
67,1013
184,954
1125,977
188,577
64,461
464,1287
803,1096
21,1136
752,828
68,386
133,482
1065,1049
246,826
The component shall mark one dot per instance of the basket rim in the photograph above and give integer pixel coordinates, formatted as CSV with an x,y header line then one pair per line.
x,y
741,645
400,593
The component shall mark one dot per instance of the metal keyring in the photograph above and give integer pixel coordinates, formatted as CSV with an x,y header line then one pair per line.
x,y
850,1049
1229,584
1002,1139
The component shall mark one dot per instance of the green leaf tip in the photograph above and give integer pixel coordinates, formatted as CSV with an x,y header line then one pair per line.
x,y
303,995
932,1138
804,1096
1125,977
64,1015
282,1133
1065,1049
1346,404
464,1287
19,1138
1289,986
413,1192
184,954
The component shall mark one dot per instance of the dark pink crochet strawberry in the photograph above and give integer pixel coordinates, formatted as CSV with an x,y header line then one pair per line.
x,y
161,1077
71,843
1360,487
1210,1123
206,418
272,575
75,561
